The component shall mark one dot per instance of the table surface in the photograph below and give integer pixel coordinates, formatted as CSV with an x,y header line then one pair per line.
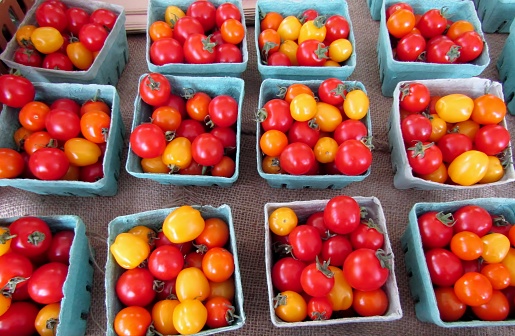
x,y
249,194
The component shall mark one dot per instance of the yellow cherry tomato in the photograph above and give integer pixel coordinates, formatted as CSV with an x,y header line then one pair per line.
x,y
439,175
340,50
129,250
162,316
183,224
356,104
303,107
47,319
331,63
145,233
290,306
81,57
454,107
5,240
289,28
494,172
46,40
325,149
289,48
468,127
438,128
313,30
177,154
23,35
173,14
282,221
154,165
509,263
191,283
341,294
5,303
468,168
189,317
328,117
81,152
495,247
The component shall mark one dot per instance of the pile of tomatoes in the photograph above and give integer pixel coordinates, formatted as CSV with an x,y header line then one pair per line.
x,y
470,255
65,38
454,138
309,39
330,265
305,136
59,140
192,136
33,268
204,34
431,36
177,280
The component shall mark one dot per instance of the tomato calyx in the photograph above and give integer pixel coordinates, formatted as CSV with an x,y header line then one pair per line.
x,y
261,114
36,237
367,141
51,324
445,218
6,235
324,267
230,316
266,49
10,286
405,90
208,45
159,287
169,135
188,93
201,248
280,300
318,316
312,123
384,259
420,149
500,221
322,52
373,225
339,90
453,54
319,21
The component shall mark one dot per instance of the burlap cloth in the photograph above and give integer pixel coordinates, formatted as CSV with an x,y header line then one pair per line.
x,y
247,197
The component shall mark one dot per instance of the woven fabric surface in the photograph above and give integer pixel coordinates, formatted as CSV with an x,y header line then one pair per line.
x,y
249,194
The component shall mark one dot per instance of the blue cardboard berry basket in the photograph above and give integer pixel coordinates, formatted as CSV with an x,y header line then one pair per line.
x,y
107,67
392,72
506,68
305,208
76,302
296,7
156,10
375,9
269,90
419,279
404,177
48,92
496,15
213,86
154,219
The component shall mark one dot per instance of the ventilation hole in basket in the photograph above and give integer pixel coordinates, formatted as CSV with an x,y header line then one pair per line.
x,y
416,299
410,273
84,315
88,288
332,186
502,25
510,97
504,77
90,262
14,18
284,185
22,5
118,70
405,248
6,33
306,187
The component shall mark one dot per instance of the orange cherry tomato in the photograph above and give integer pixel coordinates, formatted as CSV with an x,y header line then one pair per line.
x,y
32,116
167,118
218,264
159,30
450,307
94,126
295,89
271,20
272,142
497,274
215,233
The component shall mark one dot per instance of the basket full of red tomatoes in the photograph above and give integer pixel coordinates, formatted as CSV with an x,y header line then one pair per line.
x,y
173,271
327,261
70,42
47,275
302,40
60,139
450,134
445,42
308,142
196,38
460,257
186,130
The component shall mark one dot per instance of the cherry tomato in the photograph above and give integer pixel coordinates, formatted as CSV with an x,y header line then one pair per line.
x,y
133,321
226,11
432,23
492,139
365,269
495,247
471,46
400,23
424,157
232,31
497,274
162,316
468,168
159,30
457,28
312,52
228,53
81,152
410,47
177,154
443,50
173,14
416,127
28,57
218,264
223,110
305,132
220,312
16,91
47,319
337,27
32,116
488,109
59,249
350,129
165,51
319,309
290,306
46,40
155,89
19,319
316,279
297,158
192,284
183,224
436,229
370,303
444,266
147,141
271,20
33,236
199,49
414,97
11,163
215,233
353,157
286,274
450,307
49,163
81,57
46,283
473,289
